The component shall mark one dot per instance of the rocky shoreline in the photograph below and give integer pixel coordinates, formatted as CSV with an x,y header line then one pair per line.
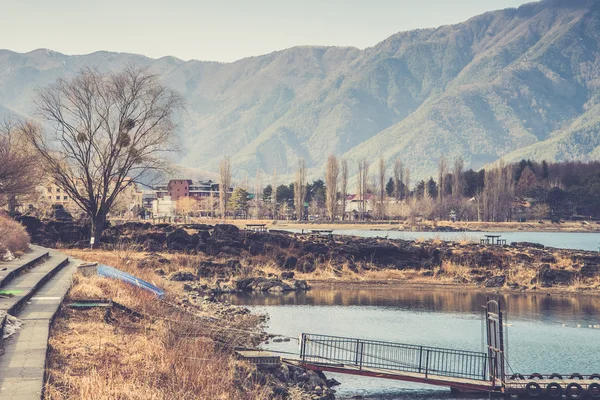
x,y
285,380
487,266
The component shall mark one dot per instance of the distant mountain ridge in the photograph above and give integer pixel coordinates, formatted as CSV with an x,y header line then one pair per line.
x,y
513,83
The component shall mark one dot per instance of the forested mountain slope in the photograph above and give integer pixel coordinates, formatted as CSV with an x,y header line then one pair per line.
x,y
517,83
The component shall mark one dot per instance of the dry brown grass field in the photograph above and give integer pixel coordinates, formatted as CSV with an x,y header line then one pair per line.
x,y
168,353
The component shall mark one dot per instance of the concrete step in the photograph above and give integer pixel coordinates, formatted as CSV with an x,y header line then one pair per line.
x,y
11,269
23,364
30,281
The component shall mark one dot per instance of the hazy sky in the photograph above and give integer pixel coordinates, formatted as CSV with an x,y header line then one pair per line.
x,y
220,30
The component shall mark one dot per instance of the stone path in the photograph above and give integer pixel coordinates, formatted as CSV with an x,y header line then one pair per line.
x,y
22,363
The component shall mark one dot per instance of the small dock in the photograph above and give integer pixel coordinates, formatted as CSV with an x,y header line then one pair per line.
x,y
461,371
258,357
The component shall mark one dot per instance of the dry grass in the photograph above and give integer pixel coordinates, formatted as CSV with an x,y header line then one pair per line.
x,y
170,353
13,236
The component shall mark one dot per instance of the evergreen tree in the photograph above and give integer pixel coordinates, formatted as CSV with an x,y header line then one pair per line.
x,y
238,202
390,187
267,193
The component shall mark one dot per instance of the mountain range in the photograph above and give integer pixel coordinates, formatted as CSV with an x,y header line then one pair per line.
x,y
511,84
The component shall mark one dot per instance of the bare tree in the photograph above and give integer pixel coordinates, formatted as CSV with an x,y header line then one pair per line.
x,y
381,187
19,170
359,187
300,189
106,127
407,181
344,188
442,171
257,192
211,203
274,195
225,184
363,185
331,185
398,172
458,180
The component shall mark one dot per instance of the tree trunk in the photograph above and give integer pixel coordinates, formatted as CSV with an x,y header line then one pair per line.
x,y
98,225
12,205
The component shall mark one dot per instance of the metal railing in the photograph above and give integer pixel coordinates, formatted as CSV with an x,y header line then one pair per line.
x,y
323,349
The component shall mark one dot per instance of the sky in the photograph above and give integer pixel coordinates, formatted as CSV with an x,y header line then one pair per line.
x,y
220,30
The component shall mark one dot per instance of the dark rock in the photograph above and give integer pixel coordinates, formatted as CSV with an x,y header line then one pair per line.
x,y
528,244
496,281
178,236
224,230
548,259
233,264
290,263
151,245
287,275
306,265
182,276
590,270
256,248
262,285
549,277
523,257
301,285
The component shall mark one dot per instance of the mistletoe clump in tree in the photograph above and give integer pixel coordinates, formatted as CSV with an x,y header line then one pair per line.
x,y
105,131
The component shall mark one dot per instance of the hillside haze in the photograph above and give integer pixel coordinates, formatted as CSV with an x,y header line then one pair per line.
x,y
516,83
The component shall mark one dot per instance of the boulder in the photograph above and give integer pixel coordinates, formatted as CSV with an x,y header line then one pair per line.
x,y
225,230
233,264
262,285
495,282
290,263
306,265
178,236
287,275
549,277
590,270
182,276
300,285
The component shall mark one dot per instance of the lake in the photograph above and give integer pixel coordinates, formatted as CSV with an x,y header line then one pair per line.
x,y
562,240
546,334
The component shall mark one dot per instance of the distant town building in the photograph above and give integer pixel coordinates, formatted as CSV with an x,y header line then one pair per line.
x,y
50,193
163,207
178,188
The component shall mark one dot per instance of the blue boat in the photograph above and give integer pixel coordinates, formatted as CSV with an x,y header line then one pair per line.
x,y
110,272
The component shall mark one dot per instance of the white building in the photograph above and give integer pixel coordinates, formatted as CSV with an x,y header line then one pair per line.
x,y
163,207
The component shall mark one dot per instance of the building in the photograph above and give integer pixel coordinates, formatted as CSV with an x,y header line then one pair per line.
x,y
128,199
163,207
354,204
178,188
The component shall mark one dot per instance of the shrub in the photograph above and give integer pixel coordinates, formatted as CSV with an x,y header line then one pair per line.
x,y
13,236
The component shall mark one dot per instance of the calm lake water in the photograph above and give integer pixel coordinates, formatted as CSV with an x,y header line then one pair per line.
x,y
546,334
563,240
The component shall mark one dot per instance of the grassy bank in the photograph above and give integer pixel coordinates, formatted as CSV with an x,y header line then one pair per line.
x,y
170,352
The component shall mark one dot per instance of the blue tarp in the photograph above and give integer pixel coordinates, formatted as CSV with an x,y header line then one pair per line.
x,y
110,272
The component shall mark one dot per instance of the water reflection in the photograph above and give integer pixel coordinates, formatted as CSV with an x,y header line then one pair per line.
x,y
523,306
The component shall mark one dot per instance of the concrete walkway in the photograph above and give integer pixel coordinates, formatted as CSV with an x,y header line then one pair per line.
x,y
10,269
22,365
